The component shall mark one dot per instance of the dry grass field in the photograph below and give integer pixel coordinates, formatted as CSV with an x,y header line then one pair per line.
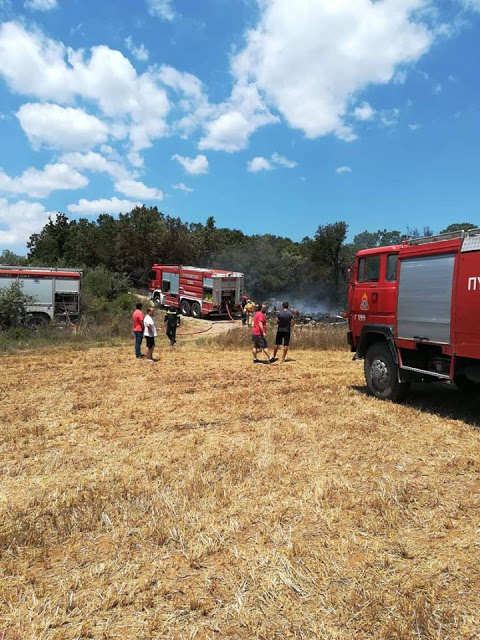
x,y
207,497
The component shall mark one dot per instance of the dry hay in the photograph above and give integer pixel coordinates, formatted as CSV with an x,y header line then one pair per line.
x,y
206,497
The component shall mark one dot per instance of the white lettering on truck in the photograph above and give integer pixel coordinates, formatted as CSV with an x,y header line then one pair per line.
x,y
474,283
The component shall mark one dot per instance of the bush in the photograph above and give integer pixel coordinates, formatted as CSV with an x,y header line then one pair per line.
x,y
13,306
100,283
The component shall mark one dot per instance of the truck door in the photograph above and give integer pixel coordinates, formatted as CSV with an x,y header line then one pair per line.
x,y
367,274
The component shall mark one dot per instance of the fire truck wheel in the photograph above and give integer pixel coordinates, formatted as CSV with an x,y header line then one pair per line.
x,y
465,384
185,308
381,374
196,310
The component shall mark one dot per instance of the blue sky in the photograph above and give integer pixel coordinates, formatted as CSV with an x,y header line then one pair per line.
x,y
271,115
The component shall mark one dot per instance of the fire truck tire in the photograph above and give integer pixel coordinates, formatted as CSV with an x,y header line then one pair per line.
x,y
465,384
381,374
185,308
196,310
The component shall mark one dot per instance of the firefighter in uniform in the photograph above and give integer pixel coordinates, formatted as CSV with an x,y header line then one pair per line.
x,y
172,321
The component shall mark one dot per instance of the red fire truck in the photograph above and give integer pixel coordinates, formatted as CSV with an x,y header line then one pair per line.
x,y
414,313
197,292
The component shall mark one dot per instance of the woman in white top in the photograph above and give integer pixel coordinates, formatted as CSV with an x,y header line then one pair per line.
x,y
149,332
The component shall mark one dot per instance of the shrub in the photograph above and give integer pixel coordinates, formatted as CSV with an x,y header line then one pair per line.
x,y
13,306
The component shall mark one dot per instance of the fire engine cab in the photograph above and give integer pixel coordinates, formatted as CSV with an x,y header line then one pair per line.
x,y
196,292
414,313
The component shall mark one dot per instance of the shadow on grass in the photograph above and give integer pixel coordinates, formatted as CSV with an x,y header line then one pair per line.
x,y
443,400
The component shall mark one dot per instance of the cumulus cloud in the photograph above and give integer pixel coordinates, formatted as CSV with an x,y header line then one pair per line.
x,y
232,123
40,183
20,220
139,52
364,112
58,127
135,189
259,163
194,166
474,5
41,5
343,169
310,58
182,187
103,205
37,66
97,163
161,9
282,161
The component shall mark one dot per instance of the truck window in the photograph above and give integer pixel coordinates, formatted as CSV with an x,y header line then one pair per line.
x,y
368,269
392,268
165,286
152,275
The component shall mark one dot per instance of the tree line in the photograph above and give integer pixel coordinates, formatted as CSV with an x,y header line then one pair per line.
x,y
130,243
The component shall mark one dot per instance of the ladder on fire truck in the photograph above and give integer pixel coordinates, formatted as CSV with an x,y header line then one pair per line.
x,y
451,235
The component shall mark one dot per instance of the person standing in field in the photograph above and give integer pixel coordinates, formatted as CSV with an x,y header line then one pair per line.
x,y
172,321
249,310
138,328
284,321
244,313
150,332
259,334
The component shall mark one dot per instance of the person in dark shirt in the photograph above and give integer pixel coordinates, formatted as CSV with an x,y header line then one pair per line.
x,y
284,321
172,321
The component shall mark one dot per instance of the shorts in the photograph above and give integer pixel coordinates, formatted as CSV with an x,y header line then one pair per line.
x,y
283,337
259,342
150,340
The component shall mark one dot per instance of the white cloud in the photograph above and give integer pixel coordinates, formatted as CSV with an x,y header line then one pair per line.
x,y
414,127
259,164
389,117
343,169
40,184
236,119
474,5
438,88
139,52
21,219
161,9
103,205
97,163
35,65
41,5
194,166
182,187
310,58
135,189
282,161
59,127
364,112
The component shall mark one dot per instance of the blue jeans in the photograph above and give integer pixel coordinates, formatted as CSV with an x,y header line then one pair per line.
x,y
138,343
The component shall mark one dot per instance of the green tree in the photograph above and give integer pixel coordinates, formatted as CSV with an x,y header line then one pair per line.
x,y
48,246
12,259
459,226
326,251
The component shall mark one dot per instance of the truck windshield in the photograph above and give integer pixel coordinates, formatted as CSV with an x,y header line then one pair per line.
x,y
368,269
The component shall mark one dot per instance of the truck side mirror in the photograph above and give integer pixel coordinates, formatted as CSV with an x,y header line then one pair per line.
x,y
347,274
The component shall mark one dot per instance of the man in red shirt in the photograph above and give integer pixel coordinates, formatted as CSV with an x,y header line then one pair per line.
x,y
259,335
137,319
